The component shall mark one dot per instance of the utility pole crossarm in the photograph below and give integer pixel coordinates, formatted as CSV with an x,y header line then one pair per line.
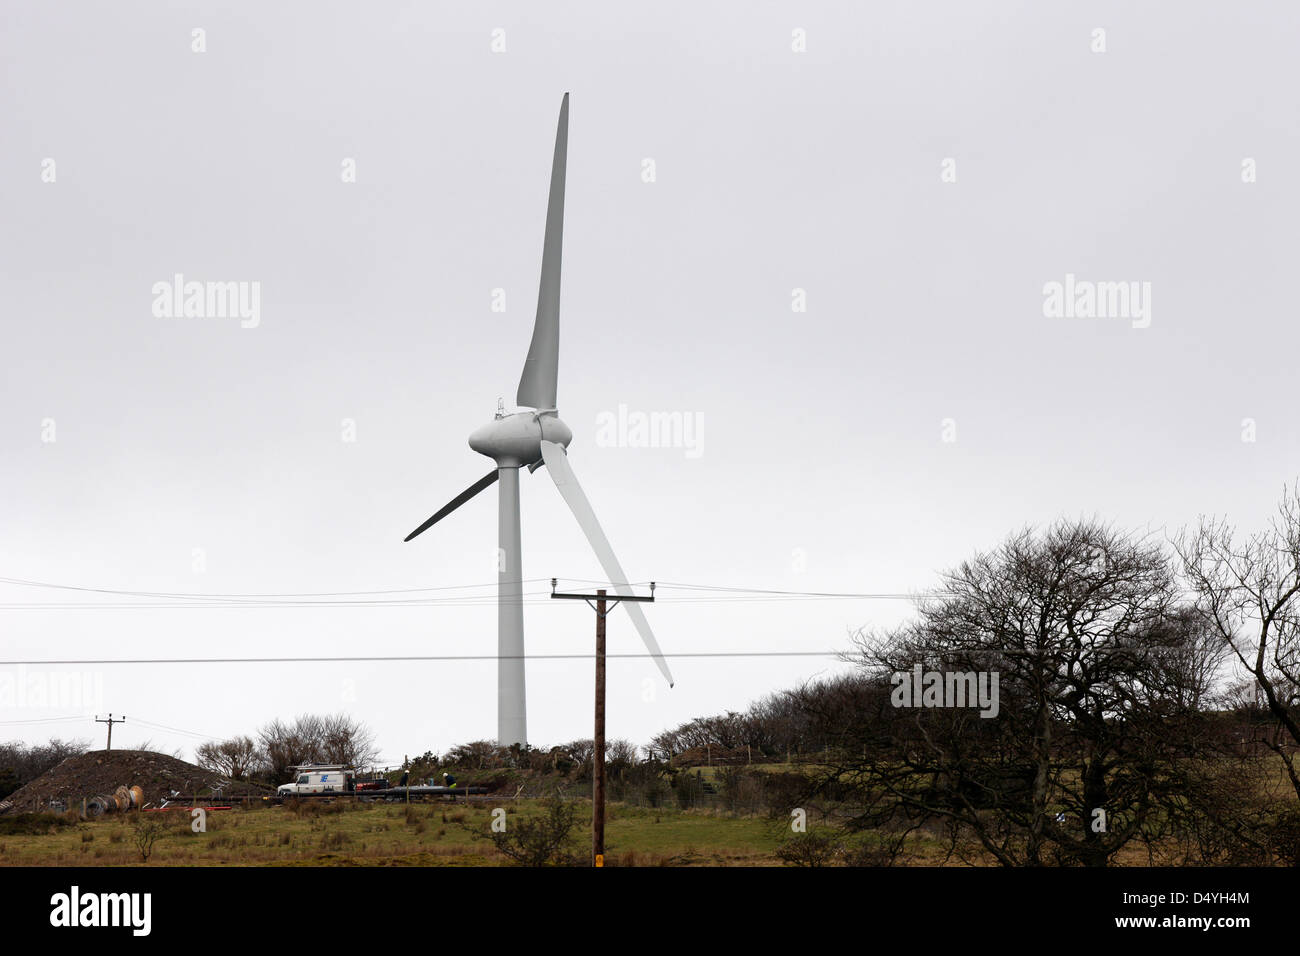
x,y
110,721
600,595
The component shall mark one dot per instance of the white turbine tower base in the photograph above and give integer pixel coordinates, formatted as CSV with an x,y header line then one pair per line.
x,y
512,701
533,439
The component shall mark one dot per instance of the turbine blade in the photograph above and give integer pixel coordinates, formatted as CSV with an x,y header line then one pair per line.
x,y
484,482
537,384
557,463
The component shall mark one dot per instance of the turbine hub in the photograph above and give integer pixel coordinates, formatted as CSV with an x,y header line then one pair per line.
x,y
514,441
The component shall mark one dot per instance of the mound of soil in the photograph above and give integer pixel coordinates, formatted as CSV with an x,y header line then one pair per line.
x,y
103,771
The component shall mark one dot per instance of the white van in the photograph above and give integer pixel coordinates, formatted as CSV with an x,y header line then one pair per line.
x,y
318,780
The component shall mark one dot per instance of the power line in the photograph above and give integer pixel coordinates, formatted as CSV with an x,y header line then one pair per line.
x,y
463,600
178,730
174,594
717,594
215,605
81,718
529,601
898,596
487,602
415,657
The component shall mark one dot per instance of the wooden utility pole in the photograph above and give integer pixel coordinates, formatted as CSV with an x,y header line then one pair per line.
x,y
110,722
598,739
602,606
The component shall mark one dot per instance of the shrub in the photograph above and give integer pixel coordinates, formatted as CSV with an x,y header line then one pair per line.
x,y
1286,837
146,832
809,849
539,839
884,850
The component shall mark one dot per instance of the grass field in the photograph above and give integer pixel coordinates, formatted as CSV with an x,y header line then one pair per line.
x,y
348,834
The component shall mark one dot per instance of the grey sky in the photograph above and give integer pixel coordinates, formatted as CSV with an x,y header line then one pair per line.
x,y
822,465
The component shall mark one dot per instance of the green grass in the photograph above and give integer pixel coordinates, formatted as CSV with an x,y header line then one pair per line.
x,y
347,834
637,835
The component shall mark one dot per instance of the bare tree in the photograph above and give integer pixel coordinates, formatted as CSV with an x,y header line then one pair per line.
x,y
313,739
1248,592
347,741
1093,732
20,764
282,746
146,830
620,756
234,758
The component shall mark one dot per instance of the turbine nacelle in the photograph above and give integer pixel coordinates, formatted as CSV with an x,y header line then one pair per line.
x,y
513,441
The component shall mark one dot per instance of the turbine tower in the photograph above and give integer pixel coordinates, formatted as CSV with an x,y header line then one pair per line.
x,y
534,439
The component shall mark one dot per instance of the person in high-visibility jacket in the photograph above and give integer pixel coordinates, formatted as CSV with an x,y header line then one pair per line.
x,y
448,780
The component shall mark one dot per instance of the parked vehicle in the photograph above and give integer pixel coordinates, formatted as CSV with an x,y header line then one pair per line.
x,y
318,778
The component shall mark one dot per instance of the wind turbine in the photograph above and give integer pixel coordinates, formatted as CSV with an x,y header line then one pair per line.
x,y
532,439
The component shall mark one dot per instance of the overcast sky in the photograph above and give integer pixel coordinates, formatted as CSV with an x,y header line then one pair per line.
x,y
923,406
